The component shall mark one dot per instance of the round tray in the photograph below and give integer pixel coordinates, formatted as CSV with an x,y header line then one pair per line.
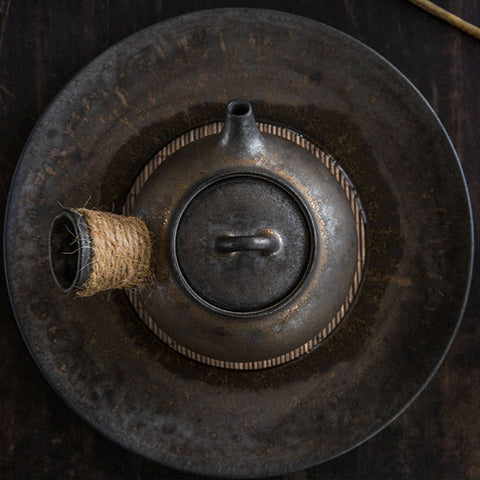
x,y
112,118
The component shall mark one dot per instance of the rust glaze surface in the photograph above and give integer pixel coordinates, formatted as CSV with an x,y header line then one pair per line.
x,y
436,438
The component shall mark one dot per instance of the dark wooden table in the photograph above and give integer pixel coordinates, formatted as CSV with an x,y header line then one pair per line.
x,y
44,43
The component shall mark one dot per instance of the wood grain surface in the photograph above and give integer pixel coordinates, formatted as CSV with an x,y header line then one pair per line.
x,y
44,43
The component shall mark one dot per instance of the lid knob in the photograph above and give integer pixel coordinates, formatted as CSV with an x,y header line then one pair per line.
x,y
267,242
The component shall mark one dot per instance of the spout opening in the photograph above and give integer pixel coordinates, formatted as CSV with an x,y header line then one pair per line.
x,y
239,108
69,251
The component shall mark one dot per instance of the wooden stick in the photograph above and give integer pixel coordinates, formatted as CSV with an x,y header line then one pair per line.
x,y
445,15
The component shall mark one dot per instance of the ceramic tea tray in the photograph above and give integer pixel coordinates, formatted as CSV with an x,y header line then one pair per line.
x,y
324,87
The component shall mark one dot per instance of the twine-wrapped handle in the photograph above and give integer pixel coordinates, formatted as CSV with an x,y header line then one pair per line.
x,y
92,251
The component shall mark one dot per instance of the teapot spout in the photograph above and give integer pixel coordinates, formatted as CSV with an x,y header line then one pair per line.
x,y
240,131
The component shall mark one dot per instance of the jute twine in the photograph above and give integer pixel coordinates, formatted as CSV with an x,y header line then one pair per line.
x,y
121,252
